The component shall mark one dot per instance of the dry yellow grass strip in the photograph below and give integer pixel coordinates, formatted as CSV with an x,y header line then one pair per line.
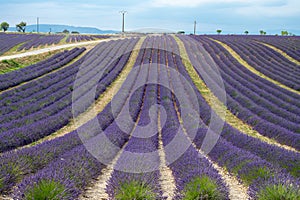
x,y
97,189
219,107
100,103
237,190
167,180
4,197
252,69
281,52
7,66
212,100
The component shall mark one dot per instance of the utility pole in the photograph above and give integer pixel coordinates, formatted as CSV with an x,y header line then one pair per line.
x,y
195,25
37,24
123,12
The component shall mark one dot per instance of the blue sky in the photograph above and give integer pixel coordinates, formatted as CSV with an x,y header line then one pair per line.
x,y
232,16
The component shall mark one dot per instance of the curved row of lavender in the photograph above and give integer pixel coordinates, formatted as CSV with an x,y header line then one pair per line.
x,y
11,40
8,40
74,173
243,101
37,95
33,92
288,119
132,158
33,99
36,70
27,90
68,90
268,152
80,38
286,96
28,123
75,167
242,155
265,60
67,155
101,36
191,163
140,161
290,45
42,40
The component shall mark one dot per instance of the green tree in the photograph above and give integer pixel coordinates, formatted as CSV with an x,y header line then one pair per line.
x,y
284,33
261,32
21,27
66,31
246,32
4,26
219,31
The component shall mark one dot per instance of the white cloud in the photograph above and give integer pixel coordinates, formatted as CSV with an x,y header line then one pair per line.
x,y
290,9
248,8
196,3
233,15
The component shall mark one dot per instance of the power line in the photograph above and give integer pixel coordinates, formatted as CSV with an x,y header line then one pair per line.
x,y
123,12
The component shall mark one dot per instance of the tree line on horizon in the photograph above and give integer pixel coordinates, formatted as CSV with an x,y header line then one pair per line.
x,y
21,27
262,32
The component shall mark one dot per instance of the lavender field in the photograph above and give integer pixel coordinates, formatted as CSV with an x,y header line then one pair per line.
x,y
23,42
153,117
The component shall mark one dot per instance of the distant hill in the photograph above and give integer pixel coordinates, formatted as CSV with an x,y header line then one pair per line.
x,y
45,28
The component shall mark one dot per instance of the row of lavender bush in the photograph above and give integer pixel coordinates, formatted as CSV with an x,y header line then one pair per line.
x,y
252,160
32,127
34,159
261,121
290,45
265,60
33,71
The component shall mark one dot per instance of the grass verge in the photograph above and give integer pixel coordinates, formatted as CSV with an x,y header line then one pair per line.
x,y
14,49
18,63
